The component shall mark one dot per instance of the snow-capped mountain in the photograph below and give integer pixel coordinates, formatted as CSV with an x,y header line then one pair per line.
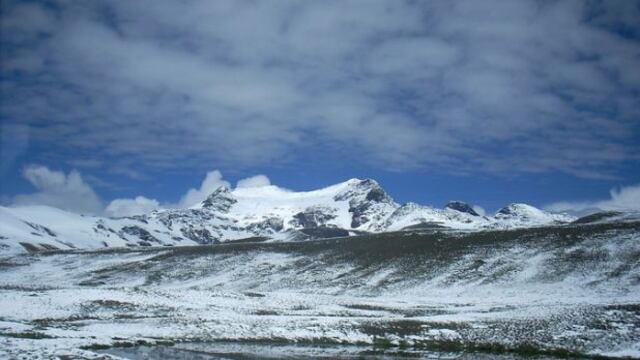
x,y
354,206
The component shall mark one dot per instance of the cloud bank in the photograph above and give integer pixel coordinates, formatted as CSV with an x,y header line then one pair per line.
x,y
212,181
624,198
499,87
70,192
254,181
55,188
130,207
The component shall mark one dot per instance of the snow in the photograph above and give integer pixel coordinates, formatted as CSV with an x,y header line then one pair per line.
x,y
260,202
267,293
267,211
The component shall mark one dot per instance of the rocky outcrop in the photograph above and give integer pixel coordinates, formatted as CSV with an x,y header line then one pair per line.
x,y
220,200
140,233
461,207
369,204
200,236
313,217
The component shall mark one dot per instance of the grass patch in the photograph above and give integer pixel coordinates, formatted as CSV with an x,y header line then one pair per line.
x,y
406,327
111,304
128,344
265,312
254,294
27,335
367,307
95,347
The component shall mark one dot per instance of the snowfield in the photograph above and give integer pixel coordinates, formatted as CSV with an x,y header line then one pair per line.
x,y
545,291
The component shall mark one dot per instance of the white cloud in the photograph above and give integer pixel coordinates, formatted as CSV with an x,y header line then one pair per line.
x,y
57,189
254,181
486,86
625,198
211,182
129,207
70,192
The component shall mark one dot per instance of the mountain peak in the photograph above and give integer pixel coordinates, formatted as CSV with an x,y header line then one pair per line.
x,y
364,189
518,209
461,207
221,199
527,214
367,182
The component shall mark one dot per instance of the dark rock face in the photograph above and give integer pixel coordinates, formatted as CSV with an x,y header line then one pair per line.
x,y
220,200
508,210
141,233
141,218
376,195
516,210
41,228
274,224
201,236
101,227
461,207
30,247
358,211
312,218
363,197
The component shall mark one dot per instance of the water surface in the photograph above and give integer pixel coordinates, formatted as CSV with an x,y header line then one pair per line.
x,y
251,351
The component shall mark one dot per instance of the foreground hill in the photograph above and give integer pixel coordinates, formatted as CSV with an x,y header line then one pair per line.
x,y
349,208
567,291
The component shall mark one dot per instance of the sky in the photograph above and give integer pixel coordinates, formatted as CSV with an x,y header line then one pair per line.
x,y
118,107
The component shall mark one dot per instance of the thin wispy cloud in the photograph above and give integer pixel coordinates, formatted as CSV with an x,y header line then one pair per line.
x,y
497,87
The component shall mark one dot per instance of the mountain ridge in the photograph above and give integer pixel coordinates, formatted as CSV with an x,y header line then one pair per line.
x,y
347,208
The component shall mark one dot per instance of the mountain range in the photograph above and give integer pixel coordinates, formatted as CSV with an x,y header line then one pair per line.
x,y
266,213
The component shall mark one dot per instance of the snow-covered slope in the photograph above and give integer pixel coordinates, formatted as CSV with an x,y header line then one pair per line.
x,y
523,215
33,228
568,291
354,206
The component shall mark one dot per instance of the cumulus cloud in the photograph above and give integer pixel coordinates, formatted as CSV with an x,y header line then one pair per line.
x,y
70,192
624,198
504,87
254,181
57,189
128,207
212,181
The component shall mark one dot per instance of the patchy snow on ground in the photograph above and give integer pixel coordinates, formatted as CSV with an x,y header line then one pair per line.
x,y
547,291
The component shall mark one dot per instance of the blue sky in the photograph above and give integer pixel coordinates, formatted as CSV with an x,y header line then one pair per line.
x,y
489,102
